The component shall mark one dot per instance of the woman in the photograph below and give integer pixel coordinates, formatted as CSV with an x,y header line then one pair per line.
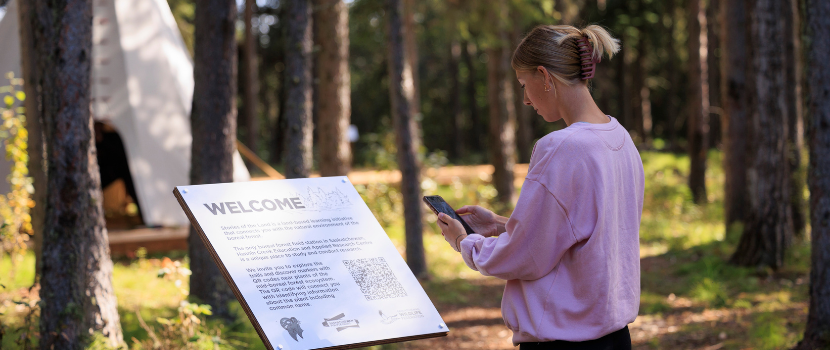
x,y
570,250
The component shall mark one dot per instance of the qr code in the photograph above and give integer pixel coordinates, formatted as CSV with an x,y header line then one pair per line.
x,y
375,278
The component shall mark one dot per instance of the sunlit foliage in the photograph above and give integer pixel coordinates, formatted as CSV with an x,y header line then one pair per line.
x,y
16,225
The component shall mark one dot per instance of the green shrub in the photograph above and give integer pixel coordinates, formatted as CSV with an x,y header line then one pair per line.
x,y
769,332
15,222
710,292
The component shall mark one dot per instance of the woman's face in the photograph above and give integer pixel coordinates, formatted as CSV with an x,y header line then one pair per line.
x,y
544,102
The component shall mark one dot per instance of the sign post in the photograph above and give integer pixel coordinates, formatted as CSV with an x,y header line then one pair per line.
x,y
310,264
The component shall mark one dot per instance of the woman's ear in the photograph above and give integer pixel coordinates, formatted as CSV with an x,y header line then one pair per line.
x,y
547,79
543,73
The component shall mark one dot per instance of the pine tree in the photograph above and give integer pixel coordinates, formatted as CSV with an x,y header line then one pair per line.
x,y
213,125
76,271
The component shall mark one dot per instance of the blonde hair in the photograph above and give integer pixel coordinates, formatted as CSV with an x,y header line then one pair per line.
x,y
556,49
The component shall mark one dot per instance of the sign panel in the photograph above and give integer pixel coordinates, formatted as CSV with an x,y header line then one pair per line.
x,y
310,264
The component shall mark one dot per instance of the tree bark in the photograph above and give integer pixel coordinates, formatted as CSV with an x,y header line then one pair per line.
x,y
34,126
714,22
769,227
502,143
468,52
401,93
817,332
250,92
459,132
410,42
698,121
299,138
213,125
795,135
76,272
736,108
674,79
639,89
524,114
624,79
331,21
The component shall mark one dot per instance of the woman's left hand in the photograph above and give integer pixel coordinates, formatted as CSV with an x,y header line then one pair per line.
x,y
451,229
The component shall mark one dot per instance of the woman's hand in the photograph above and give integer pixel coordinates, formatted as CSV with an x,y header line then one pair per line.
x,y
452,231
482,221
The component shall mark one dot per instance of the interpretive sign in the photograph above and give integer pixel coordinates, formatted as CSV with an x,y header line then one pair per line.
x,y
310,264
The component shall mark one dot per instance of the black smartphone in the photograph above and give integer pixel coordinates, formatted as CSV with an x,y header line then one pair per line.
x,y
439,205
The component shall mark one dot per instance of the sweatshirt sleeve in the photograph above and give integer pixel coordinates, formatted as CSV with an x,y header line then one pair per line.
x,y
538,234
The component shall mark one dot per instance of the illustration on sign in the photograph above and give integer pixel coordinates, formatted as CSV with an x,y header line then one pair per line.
x,y
387,319
319,199
292,325
405,314
340,323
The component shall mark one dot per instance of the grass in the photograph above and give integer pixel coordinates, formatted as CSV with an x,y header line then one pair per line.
x,y
691,297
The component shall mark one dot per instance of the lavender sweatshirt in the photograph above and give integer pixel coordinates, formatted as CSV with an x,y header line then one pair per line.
x,y
571,253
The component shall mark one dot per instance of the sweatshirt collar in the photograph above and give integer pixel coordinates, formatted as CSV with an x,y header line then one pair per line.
x,y
604,126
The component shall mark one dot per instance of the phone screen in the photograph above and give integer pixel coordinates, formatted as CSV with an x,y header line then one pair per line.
x,y
439,205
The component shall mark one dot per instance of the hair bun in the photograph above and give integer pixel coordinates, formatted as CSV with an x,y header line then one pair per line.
x,y
567,53
602,41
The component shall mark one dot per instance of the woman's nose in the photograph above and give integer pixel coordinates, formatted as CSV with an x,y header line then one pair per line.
x,y
526,99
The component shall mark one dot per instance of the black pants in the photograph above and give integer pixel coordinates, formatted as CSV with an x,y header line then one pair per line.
x,y
619,340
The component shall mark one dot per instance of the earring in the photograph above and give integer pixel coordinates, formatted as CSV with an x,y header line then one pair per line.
x,y
547,88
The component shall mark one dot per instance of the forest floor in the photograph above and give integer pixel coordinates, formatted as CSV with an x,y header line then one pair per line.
x,y
691,297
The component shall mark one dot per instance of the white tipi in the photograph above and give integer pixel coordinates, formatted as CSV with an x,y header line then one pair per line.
x,y
142,84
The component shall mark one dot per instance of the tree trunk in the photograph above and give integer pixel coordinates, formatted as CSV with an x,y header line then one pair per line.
x,y
818,318
213,125
674,79
524,125
468,52
769,227
410,42
624,82
34,126
640,104
502,143
76,272
459,132
714,21
795,136
624,77
298,44
277,97
250,92
331,21
401,93
736,108
524,114
698,120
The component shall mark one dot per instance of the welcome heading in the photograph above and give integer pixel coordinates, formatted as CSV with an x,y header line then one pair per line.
x,y
255,206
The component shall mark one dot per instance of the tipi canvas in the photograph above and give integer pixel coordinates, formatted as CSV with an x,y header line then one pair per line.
x,y
142,85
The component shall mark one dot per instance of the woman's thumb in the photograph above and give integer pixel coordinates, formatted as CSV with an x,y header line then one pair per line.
x,y
445,218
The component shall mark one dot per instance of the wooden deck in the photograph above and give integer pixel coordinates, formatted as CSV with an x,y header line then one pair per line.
x,y
164,239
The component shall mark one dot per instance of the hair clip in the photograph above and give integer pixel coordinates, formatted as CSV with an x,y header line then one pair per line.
x,y
589,64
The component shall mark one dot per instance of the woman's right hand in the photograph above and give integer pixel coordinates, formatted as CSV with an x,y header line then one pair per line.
x,y
482,221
